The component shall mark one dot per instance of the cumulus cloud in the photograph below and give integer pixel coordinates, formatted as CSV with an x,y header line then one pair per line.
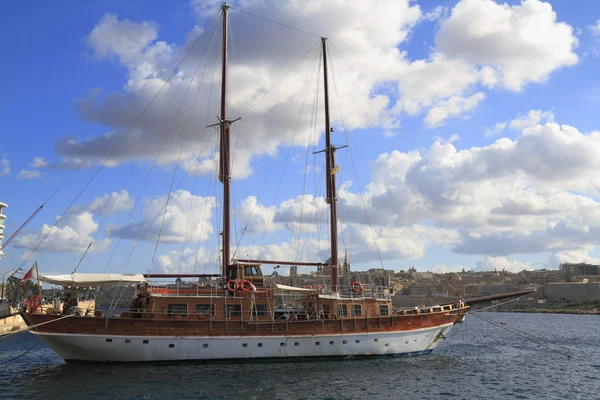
x,y
39,162
453,107
112,203
4,166
595,29
72,233
571,256
499,127
502,264
75,231
533,117
480,43
27,174
521,43
186,217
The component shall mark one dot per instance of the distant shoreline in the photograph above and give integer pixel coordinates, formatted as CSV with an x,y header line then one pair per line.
x,y
552,311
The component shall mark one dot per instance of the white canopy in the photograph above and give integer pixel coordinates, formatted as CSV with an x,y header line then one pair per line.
x,y
78,279
292,288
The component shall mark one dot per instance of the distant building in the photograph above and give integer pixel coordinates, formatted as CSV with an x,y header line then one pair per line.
x,y
572,291
579,269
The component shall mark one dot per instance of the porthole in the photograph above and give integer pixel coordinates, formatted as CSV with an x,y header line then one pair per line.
x,y
127,340
260,345
205,345
318,343
357,341
331,342
376,340
282,344
244,344
171,345
344,342
297,344
108,340
146,341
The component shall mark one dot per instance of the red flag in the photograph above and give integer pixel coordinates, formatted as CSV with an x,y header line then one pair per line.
x,y
27,276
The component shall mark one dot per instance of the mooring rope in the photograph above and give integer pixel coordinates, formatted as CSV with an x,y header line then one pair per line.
x,y
526,335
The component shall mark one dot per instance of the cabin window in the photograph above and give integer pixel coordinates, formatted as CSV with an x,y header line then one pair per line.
x,y
356,310
205,309
251,270
383,311
177,309
233,310
343,310
260,310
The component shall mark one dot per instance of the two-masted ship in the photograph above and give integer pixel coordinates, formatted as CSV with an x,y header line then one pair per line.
x,y
243,317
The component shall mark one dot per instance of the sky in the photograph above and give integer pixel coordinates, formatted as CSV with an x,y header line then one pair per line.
x,y
472,141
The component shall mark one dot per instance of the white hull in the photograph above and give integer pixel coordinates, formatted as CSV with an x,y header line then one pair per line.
x,y
103,348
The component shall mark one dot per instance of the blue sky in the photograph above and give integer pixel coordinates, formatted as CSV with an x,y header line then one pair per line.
x,y
477,152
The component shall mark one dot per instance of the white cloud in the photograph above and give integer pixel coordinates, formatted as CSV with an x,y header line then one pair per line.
x,y
187,217
480,43
502,264
499,127
75,231
595,29
571,256
533,118
522,43
26,174
445,269
72,233
453,107
436,13
112,203
4,166
39,162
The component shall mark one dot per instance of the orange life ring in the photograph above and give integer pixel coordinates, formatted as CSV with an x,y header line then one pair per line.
x,y
232,286
246,285
357,287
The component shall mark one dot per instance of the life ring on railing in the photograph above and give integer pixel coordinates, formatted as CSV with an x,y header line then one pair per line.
x,y
357,286
246,285
232,286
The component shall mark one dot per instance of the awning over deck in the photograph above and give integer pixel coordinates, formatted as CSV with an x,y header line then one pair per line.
x,y
293,289
78,279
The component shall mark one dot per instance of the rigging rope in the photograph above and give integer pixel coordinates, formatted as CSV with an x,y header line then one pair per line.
x,y
275,22
353,158
306,80
122,139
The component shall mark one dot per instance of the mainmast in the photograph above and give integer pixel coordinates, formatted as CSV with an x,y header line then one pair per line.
x,y
224,153
330,172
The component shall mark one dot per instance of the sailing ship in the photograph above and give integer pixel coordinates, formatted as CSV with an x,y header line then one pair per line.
x,y
242,317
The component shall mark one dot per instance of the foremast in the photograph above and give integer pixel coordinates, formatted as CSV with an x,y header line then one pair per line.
x,y
330,171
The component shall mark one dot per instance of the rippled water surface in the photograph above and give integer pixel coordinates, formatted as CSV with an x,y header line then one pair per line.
x,y
478,360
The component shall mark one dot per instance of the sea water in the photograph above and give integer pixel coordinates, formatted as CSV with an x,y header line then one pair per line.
x,y
478,360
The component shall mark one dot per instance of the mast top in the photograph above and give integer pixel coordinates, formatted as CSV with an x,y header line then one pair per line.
x,y
225,6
